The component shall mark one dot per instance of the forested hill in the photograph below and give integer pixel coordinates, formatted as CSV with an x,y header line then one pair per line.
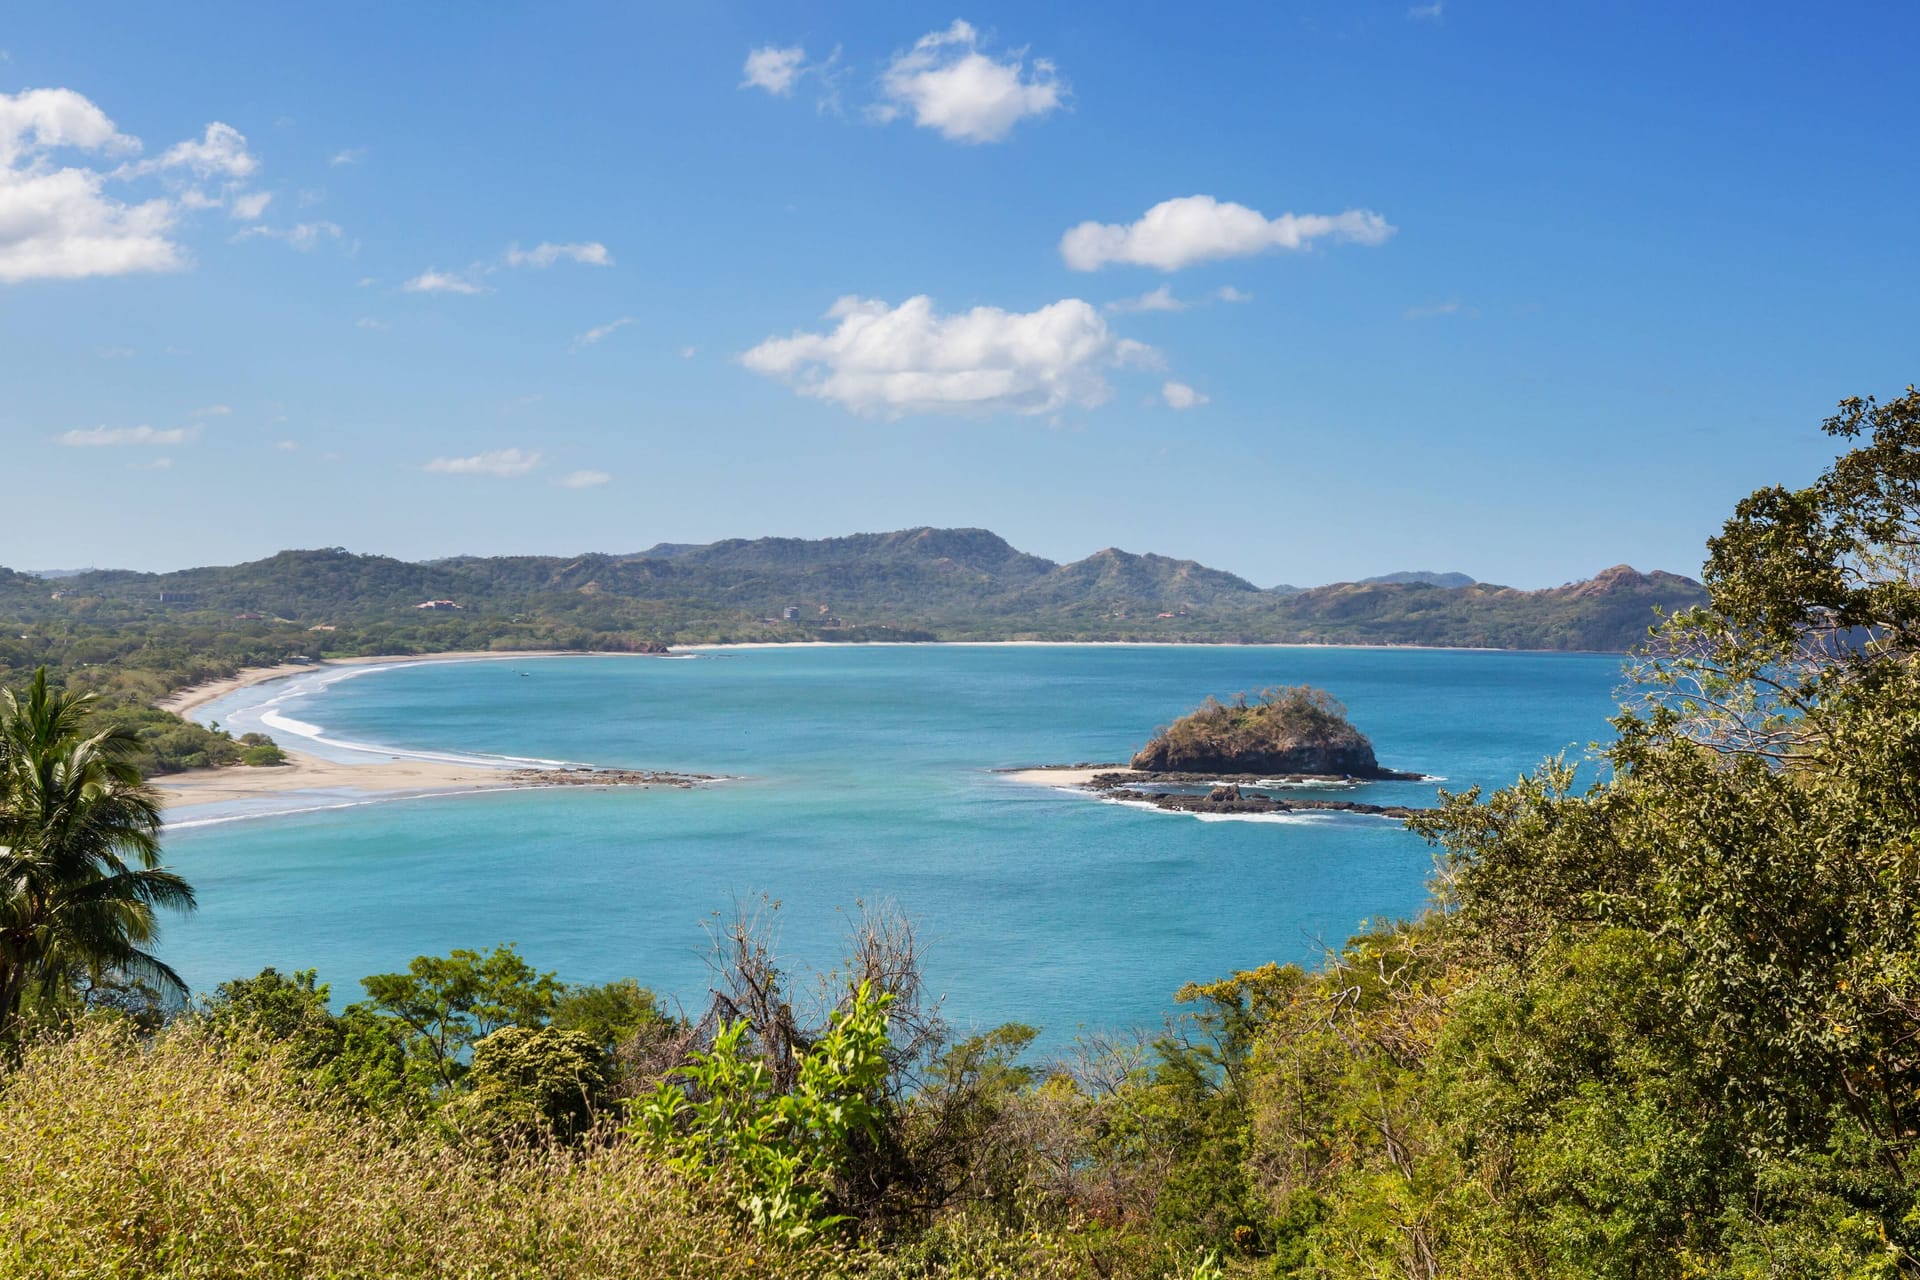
x,y
915,584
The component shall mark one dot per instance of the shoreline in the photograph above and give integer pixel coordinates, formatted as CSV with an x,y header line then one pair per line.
x,y
395,778
390,778
1074,776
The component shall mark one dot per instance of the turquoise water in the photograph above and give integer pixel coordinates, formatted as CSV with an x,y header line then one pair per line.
x,y
861,774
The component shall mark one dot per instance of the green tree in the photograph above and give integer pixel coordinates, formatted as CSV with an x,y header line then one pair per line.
x,y
80,875
448,1003
530,1083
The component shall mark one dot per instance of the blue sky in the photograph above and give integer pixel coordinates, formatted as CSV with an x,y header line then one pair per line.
x,y
1521,290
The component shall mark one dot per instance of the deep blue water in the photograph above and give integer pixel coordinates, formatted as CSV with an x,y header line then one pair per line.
x,y
866,774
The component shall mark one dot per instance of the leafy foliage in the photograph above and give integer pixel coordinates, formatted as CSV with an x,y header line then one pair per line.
x,y
80,874
721,1117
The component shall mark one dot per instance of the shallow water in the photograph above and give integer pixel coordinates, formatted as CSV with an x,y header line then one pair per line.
x,y
862,773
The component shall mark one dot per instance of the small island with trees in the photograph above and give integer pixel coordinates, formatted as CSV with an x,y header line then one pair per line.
x,y
1230,757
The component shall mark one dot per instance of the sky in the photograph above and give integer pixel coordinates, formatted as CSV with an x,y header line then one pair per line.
x,y
1306,290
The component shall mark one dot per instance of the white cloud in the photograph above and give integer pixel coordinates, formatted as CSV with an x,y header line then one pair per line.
x,y
251,206
687,353
1227,293
288,446
58,223
774,68
368,322
432,281
592,336
157,464
583,479
893,361
347,155
944,82
1426,12
1179,233
1160,299
220,153
589,253
1179,395
99,437
303,236
211,411
495,462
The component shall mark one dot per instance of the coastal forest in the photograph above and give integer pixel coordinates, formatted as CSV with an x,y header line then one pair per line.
x,y
1659,1022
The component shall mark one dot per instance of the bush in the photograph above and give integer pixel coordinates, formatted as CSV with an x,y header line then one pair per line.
x,y
177,1159
262,755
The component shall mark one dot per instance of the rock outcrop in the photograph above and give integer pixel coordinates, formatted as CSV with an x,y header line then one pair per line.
x,y
1293,732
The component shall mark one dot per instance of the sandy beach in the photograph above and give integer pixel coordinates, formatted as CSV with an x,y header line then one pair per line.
x,y
303,772
1064,775
376,775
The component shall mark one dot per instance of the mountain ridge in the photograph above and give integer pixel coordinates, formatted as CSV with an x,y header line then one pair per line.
x,y
964,583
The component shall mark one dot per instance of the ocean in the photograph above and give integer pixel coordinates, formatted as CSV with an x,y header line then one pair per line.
x,y
856,775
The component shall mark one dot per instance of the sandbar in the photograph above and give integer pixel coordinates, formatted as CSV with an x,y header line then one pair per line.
x,y
1063,775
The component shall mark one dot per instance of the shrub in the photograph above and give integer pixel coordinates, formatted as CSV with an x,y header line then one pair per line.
x,y
175,1159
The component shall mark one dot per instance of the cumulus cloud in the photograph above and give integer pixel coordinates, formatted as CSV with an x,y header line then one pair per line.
x,y
495,462
1179,395
59,223
774,68
62,221
892,361
583,479
1179,233
347,155
946,83
1426,12
432,281
594,335
588,253
103,437
1227,293
220,153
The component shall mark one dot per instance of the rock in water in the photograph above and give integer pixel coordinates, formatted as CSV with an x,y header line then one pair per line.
x,y
1298,730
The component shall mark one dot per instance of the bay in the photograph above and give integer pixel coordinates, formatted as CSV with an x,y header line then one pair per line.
x,y
856,774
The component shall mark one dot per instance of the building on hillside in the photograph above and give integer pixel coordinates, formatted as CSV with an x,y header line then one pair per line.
x,y
438,604
791,613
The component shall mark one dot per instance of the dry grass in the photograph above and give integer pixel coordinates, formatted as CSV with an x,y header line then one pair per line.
x,y
125,1159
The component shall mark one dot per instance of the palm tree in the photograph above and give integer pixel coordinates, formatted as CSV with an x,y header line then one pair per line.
x,y
80,879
